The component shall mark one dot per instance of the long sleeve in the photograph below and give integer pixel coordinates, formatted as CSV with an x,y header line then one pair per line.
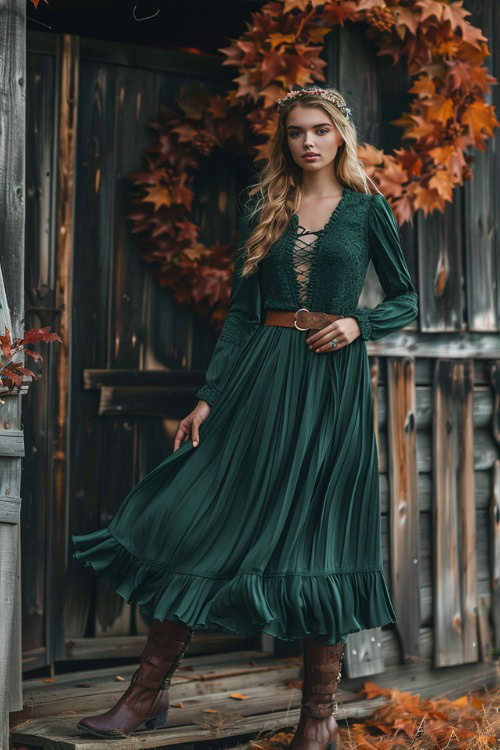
x,y
244,315
400,304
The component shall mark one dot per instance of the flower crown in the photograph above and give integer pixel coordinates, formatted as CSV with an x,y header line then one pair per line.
x,y
316,90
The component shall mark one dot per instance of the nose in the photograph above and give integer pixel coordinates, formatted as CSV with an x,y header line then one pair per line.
x,y
308,140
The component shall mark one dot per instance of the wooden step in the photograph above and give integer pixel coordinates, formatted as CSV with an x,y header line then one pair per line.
x,y
99,689
192,723
52,710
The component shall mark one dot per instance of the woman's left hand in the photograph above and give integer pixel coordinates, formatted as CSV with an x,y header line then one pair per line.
x,y
344,330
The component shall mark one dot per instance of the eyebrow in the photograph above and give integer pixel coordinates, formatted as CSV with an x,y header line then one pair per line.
x,y
320,125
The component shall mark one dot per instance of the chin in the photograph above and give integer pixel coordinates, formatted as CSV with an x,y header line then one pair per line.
x,y
313,167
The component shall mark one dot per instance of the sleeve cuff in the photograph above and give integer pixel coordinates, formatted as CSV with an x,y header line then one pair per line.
x,y
364,322
208,394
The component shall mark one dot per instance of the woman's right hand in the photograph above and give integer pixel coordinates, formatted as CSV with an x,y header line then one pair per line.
x,y
188,427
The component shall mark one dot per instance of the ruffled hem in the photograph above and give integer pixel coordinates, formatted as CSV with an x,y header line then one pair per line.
x,y
326,607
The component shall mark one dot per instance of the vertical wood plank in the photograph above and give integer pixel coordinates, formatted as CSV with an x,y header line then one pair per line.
x,y
40,311
89,438
363,653
494,377
455,595
12,224
68,65
495,553
485,643
403,502
440,267
135,104
481,239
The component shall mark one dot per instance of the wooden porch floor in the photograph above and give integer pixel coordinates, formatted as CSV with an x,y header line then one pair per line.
x,y
203,686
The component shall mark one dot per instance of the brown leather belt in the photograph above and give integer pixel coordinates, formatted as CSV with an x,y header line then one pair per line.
x,y
302,319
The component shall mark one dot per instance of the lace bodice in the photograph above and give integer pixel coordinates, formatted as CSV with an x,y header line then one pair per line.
x,y
321,270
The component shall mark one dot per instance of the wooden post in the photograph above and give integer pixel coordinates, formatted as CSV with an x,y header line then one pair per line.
x,y
455,594
404,506
12,161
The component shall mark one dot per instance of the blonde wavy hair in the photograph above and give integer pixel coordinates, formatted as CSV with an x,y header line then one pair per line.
x,y
278,185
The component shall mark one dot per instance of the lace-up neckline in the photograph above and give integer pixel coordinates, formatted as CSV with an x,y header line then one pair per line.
x,y
302,249
304,246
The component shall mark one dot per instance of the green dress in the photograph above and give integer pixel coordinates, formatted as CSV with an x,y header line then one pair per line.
x,y
272,523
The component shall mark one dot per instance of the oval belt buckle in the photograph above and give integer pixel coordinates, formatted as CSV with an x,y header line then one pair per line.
x,y
295,321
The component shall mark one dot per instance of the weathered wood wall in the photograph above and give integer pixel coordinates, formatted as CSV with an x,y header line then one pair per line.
x,y
434,542
12,211
82,260
136,359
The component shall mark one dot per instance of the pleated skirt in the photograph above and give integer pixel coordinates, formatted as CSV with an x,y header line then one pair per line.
x,y
272,523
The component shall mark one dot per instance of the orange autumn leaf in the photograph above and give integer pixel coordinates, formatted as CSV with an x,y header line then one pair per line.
x,y
317,34
442,183
371,690
405,21
210,711
479,118
179,704
239,696
276,40
185,132
159,195
301,4
440,108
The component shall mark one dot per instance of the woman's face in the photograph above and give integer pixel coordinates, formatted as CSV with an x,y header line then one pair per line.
x,y
311,131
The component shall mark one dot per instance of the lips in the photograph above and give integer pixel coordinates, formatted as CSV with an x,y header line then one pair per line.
x,y
309,155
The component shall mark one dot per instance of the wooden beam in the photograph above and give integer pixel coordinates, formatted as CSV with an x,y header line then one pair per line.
x,y
437,346
11,442
404,506
455,595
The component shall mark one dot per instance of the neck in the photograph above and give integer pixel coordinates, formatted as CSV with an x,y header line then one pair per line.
x,y
320,184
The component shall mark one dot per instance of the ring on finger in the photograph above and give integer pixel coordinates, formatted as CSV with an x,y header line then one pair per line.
x,y
333,342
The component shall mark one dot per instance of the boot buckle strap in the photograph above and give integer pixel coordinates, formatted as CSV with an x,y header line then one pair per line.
x,y
161,640
324,668
325,689
137,679
169,654
317,713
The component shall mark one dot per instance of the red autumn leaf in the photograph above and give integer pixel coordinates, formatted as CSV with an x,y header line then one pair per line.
x,y
36,355
39,334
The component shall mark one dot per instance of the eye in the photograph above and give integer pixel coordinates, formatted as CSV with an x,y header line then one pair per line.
x,y
293,133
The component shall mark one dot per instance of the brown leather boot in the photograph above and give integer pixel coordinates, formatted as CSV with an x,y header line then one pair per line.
x,y
317,728
144,705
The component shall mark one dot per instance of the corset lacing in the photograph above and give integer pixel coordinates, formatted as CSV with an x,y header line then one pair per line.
x,y
301,258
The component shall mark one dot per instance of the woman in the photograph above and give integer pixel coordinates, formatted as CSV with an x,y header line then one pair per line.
x,y
265,518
